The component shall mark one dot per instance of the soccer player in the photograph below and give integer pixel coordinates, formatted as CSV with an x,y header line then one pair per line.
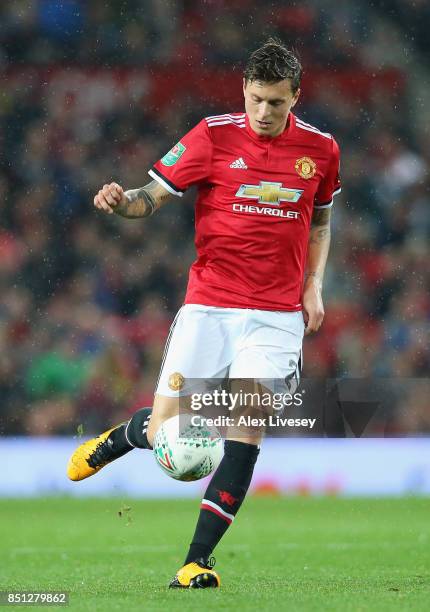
x,y
266,181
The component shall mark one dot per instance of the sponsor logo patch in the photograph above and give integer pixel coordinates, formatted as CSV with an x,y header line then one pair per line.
x,y
266,210
269,193
173,155
239,163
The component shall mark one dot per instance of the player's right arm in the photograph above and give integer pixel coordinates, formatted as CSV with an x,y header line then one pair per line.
x,y
133,203
186,164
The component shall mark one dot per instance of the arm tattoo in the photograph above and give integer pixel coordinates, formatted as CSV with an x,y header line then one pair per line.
x,y
321,216
140,203
317,276
319,243
143,202
320,226
318,235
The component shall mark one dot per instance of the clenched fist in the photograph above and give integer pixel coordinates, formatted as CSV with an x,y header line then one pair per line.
x,y
110,197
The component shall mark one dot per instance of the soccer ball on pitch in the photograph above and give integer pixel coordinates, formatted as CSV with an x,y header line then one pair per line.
x,y
185,451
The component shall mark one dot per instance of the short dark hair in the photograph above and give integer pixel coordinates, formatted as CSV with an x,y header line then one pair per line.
x,y
274,62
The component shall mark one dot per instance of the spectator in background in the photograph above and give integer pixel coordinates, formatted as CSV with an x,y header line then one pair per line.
x,y
82,301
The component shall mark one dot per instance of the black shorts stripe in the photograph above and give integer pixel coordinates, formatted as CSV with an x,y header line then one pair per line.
x,y
166,348
298,369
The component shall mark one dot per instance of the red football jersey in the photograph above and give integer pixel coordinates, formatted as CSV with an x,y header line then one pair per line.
x,y
254,207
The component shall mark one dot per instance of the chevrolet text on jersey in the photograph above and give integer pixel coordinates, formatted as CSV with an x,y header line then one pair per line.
x,y
274,212
252,217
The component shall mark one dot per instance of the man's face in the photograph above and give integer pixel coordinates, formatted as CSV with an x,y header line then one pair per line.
x,y
268,105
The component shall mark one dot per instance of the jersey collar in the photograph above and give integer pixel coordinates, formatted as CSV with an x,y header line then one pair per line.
x,y
291,122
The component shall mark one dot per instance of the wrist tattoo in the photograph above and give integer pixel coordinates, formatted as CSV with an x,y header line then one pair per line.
x,y
142,203
148,199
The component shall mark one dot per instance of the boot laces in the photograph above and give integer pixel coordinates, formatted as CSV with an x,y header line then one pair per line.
x,y
101,455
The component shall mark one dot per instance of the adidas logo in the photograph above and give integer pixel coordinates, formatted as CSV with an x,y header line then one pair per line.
x,y
239,163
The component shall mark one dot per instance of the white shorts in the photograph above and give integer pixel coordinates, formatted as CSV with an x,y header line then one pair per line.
x,y
210,343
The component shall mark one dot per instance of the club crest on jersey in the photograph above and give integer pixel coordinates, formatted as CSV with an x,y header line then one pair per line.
x,y
306,167
173,155
269,193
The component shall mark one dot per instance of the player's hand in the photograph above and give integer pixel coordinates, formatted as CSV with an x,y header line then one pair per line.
x,y
110,197
313,307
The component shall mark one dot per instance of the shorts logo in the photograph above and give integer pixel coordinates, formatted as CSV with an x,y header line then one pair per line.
x,y
173,155
176,381
306,167
269,193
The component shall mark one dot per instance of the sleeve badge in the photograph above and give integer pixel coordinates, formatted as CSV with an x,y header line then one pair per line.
x,y
173,155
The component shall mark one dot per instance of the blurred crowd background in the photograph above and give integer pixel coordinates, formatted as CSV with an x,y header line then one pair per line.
x,y
97,91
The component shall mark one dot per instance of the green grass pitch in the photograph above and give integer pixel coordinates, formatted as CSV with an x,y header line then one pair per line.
x,y
281,553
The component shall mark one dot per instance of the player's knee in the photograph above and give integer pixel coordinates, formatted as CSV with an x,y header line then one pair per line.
x,y
164,408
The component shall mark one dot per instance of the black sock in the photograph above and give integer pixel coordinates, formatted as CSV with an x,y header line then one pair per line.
x,y
135,431
120,445
223,497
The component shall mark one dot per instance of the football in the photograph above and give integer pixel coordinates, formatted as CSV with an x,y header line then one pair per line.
x,y
185,451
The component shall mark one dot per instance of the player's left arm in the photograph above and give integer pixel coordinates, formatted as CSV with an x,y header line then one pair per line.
x,y
318,248
319,242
